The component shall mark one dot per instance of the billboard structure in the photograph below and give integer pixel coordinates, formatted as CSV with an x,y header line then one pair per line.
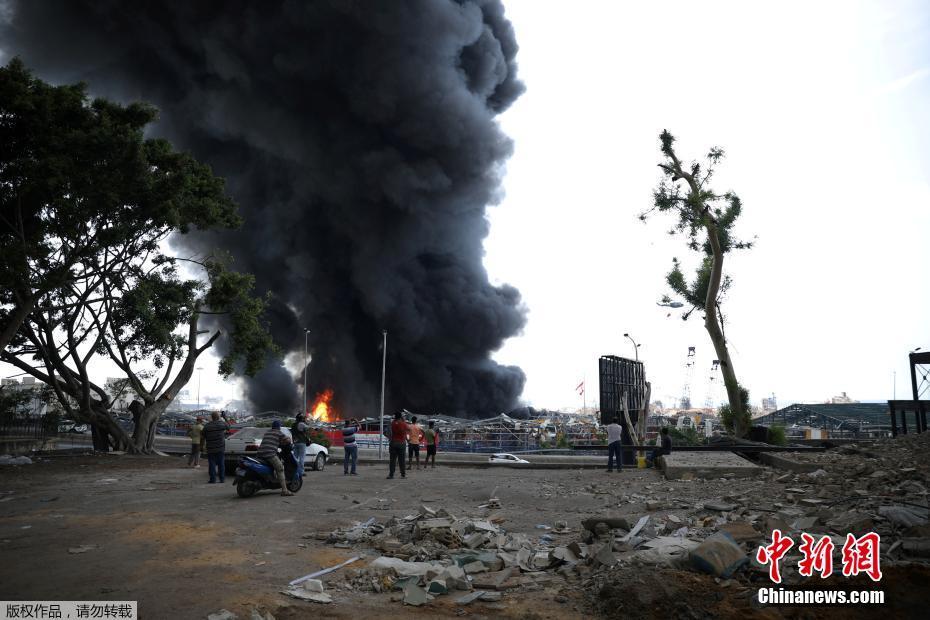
x,y
621,378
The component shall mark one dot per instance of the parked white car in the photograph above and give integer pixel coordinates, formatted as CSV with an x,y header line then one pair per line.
x,y
507,459
246,441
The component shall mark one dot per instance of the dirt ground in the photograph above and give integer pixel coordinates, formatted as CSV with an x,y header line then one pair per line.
x,y
183,548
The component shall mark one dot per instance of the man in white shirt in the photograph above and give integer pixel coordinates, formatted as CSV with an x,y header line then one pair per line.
x,y
614,433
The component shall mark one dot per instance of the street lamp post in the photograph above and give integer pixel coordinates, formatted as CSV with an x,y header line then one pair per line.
x,y
383,372
306,366
199,368
635,346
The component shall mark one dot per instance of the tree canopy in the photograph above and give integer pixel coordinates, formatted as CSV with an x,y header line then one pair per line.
x,y
88,203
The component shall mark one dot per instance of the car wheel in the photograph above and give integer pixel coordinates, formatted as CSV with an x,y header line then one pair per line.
x,y
319,462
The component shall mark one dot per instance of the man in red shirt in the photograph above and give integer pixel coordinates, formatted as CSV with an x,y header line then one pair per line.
x,y
398,444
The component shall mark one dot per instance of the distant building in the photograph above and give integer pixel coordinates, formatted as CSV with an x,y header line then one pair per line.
x,y
769,404
842,399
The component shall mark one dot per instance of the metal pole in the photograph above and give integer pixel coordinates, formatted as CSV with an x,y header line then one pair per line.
x,y
383,371
198,386
635,346
306,367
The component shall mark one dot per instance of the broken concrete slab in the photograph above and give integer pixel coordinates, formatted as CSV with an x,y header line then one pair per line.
x,y
900,515
718,555
741,531
501,580
312,585
437,586
719,506
709,465
805,524
780,461
664,551
315,597
415,595
405,569
470,597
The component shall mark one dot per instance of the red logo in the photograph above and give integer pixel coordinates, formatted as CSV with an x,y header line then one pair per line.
x,y
860,555
773,553
817,556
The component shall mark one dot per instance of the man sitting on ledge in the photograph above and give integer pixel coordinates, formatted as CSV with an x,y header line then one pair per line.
x,y
664,448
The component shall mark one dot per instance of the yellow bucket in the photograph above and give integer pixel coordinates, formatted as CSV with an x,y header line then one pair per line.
x,y
641,462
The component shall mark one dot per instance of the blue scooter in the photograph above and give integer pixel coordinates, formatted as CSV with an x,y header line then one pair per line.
x,y
254,474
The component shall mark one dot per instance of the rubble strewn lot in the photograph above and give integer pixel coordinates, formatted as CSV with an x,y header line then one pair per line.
x,y
454,542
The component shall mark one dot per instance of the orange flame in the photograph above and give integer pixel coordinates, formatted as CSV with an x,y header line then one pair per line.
x,y
322,409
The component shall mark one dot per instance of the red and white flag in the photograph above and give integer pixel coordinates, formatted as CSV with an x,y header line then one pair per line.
x,y
580,388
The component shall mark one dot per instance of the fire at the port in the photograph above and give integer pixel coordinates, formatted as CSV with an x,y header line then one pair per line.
x,y
322,408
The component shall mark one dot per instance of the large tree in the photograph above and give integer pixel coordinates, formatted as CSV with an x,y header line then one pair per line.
x,y
87,210
706,219
76,180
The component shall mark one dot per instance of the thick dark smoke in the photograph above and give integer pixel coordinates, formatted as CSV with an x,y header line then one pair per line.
x,y
360,140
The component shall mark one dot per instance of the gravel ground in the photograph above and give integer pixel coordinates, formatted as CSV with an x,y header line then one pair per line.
x,y
151,530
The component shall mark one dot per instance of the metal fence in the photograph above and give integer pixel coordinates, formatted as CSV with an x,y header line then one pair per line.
x,y
23,427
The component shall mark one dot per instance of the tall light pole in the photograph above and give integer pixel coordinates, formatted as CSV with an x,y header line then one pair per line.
x,y
199,368
306,366
635,346
383,372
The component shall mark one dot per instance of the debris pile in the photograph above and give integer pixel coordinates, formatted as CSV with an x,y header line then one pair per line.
x,y
8,459
709,529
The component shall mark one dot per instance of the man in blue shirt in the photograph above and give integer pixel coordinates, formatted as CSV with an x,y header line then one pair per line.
x,y
349,449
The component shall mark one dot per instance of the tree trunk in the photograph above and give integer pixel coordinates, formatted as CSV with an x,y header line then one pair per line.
x,y
144,437
108,428
712,324
644,414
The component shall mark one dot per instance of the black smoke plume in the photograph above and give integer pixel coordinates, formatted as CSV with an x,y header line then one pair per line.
x,y
360,140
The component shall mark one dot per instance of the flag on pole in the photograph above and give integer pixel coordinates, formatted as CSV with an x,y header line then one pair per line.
x,y
580,388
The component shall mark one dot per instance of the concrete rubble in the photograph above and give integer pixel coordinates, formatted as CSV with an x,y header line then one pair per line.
x,y
881,487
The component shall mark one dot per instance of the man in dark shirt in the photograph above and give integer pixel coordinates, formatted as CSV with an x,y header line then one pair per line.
x,y
665,447
268,451
398,444
214,436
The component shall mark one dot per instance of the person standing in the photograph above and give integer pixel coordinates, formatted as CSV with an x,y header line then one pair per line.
x,y
196,435
349,449
300,432
268,452
398,444
414,436
214,436
431,437
614,434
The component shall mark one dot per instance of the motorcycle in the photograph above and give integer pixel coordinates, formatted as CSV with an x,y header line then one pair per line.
x,y
254,474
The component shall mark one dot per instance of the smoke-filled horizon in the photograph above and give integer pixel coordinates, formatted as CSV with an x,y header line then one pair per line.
x,y
360,142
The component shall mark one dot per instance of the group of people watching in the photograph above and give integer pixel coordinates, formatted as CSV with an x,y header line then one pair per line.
x,y
615,445
405,439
